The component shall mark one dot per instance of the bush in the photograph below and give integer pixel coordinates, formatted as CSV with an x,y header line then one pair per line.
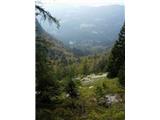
x,y
71,88
121,76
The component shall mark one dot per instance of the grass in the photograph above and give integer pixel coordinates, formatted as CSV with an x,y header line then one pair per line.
x,y
88,100
96,112
110,85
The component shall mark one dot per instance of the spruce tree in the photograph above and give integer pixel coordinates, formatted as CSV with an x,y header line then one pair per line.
x,y
116,63
71,88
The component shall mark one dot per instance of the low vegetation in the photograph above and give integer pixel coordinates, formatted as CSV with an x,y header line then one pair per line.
x,y
87,104
78,88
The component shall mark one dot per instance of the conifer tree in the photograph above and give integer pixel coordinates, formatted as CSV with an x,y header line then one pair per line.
x,y
71,88
116,63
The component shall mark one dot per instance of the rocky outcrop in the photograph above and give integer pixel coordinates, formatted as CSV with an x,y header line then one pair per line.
x,y
107,100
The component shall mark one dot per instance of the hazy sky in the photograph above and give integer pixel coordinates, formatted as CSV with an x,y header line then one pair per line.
x,y
84,2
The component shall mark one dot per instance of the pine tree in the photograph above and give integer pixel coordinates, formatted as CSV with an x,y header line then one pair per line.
x,y
71,87
116,63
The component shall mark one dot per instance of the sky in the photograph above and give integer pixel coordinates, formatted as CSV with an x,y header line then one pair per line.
x,y
83,2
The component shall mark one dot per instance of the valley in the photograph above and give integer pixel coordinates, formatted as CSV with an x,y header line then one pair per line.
x,y
80,73
86,30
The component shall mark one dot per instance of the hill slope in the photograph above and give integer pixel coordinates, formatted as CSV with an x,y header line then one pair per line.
x,y
87,30
55,48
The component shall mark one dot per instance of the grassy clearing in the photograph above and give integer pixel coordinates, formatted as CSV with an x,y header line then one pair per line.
x,y
110,85
86,107
93,110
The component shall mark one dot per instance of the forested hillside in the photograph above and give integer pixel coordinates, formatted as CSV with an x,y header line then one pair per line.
x,y
87,30
75,87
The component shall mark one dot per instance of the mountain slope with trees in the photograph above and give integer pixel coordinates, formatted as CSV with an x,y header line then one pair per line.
x,y
72,87
87,30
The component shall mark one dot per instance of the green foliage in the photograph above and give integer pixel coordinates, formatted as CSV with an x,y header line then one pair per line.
x,y
100,91
46,85
60,92
71,88
121,75
103,86
91,64
85,68
116,63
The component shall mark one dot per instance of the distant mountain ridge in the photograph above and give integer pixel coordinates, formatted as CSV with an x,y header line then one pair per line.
x,y
87,30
